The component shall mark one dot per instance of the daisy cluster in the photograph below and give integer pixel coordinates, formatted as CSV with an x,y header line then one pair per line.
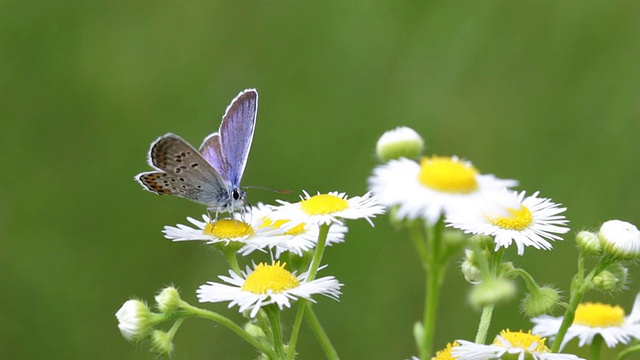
x,y
297,232
433,195
288,228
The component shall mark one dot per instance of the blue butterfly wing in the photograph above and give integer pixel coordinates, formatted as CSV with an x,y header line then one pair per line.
x,y
236,134
211,150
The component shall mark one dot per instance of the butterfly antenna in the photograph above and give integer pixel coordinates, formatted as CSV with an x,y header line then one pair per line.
x,y
269,189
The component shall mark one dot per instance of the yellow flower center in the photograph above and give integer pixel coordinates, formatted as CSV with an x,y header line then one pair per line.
x,y
448,175
270,278
445,354
296,230
228,229
323,204
519,219
599,315
523,341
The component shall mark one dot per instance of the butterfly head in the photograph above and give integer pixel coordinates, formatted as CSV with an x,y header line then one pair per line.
x,y
237,199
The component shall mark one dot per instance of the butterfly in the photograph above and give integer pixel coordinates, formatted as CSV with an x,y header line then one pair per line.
x,y
212,174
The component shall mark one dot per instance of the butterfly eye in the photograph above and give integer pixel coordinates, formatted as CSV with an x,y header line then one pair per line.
x,y
236,194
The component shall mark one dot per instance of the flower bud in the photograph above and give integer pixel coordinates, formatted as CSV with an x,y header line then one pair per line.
x,y
161,342
492,292
620,272
589,243
135,320
168,299
399,142
620,239
604,281
540,301
471,271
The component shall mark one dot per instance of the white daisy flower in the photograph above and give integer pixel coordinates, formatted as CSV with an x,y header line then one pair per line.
x,y
620,239
510,217
592,319
298,239
432,187
222,231
330,208
265,285
509,344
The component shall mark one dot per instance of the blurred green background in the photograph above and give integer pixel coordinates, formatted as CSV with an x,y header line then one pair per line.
x,y
545,92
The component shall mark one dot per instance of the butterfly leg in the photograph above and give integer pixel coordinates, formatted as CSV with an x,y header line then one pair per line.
x,y
216,214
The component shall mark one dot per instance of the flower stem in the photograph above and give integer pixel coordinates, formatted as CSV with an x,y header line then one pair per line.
x,y
321,335
430,311
302,306
273,313
628,351
578,289
192,311
596,345
485,321
317,256
435,267
417,236
232,260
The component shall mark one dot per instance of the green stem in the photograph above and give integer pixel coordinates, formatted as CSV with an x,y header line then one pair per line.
x,y
628,351
317,256
488,272
497,261
192,311
527,278
321,335
273,313
430,311
417,236
576,297
265,325
483,263
174,329
485,322
596,345
302,306
435,267
232,260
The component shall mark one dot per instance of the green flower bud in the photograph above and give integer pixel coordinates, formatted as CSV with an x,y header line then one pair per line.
x,y
540,301
605,281
168,299
589,243
471,271
620,272
492,292
620,239
161,342
399,142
